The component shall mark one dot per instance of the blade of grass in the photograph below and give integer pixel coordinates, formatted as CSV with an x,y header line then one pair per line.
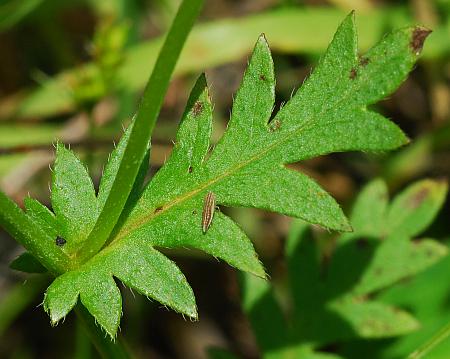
x,y
143,126
423,350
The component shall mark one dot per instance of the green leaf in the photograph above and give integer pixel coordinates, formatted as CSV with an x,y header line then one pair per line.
x,y
73,199
331,295
334,298
42,215
427,296
369,211
398,257
138,266
111,168
265,314
410,213
274,335
110,173
142,129
181,225
374,319
27,263
28,233
414,209
247,168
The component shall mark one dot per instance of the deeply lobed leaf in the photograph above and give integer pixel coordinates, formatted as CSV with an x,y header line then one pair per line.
x,y
247,168
138,266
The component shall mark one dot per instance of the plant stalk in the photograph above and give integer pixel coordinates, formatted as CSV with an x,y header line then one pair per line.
x,y
142,129
424,349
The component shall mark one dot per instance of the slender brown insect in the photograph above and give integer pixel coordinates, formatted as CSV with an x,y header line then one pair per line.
x,y
209,207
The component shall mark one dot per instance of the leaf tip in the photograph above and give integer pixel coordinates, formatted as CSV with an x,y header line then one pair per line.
x,y
262,39
418,37
199,94
262,44
346,226
201,82
259,270
192,313
60,146
350,19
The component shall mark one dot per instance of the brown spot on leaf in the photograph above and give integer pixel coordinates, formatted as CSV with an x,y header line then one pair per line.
x,y
419,197
158,209
198,108
353,74
274,125
262,77
190,169
363,61
430,253
418,38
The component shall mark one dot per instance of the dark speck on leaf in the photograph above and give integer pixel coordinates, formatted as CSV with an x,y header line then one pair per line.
x,y
158,209
60,241
190,169
419,197
418,38
197,109
194,212
274,125
353,73
429,253
364,61
262,77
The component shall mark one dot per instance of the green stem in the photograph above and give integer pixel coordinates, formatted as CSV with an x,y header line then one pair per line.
x,y
83,345
105,347
431,344
143,126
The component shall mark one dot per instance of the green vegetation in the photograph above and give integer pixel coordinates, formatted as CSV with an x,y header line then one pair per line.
x,y
341,292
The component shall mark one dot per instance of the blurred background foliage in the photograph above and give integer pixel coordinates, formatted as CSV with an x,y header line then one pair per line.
x,y
73,71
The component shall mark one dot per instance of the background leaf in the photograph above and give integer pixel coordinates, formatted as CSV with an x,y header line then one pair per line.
x,y
332,290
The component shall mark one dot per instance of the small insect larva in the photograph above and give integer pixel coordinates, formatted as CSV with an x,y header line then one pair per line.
x,y
209,207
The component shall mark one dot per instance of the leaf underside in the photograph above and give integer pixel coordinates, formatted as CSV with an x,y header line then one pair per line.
x,y
247,168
